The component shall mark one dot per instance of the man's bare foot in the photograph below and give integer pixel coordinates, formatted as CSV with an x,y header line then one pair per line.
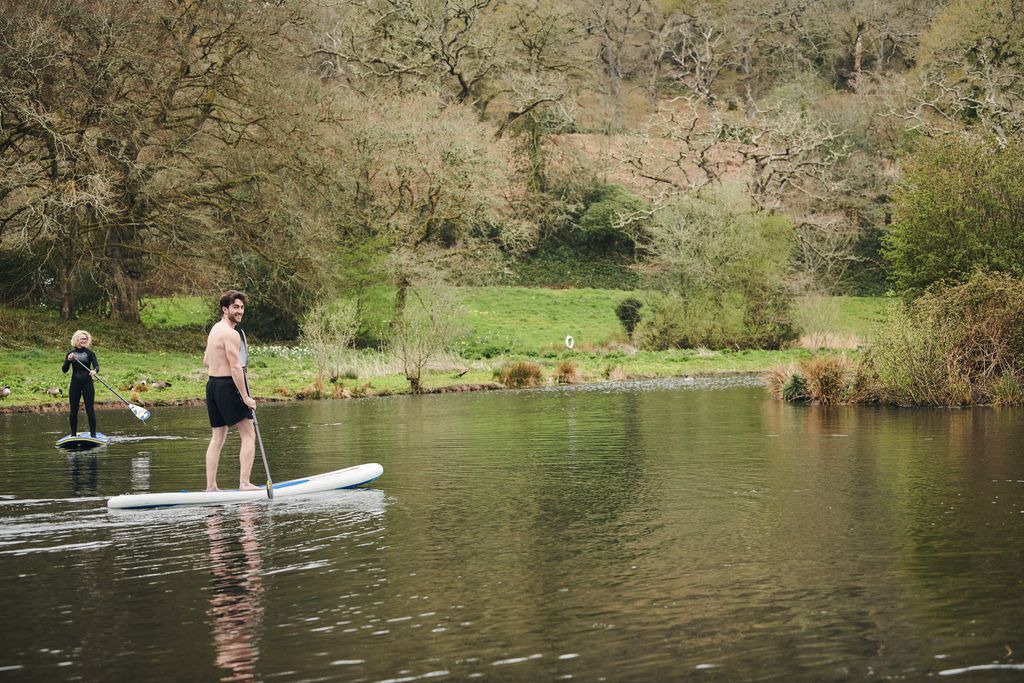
x,y
249,487
212,489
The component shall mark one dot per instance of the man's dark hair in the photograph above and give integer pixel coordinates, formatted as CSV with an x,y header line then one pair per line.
x,y
228,298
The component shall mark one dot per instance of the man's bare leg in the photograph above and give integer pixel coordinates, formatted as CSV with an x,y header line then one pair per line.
x,y
213,456
246,454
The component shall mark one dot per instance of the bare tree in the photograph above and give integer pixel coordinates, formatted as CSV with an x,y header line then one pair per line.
x,y
120,127
433,186
518,53
826,247
427,328
780,152
700,52
328,328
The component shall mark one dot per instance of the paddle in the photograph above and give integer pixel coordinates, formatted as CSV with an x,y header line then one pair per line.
x,y
137,411
255,422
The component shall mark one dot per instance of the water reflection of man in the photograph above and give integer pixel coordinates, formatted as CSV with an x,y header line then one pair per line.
x,y
236,605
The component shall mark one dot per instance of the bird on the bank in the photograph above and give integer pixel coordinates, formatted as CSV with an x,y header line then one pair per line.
x,y
160,384
5,391
54,391
460,374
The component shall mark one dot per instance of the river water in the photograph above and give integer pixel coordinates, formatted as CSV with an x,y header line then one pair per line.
x,y
631,532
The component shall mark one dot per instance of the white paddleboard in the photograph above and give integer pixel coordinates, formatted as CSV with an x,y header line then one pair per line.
x,y
82,441
338,479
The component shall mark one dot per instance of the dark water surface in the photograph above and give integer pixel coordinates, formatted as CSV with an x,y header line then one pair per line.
x,y
639,532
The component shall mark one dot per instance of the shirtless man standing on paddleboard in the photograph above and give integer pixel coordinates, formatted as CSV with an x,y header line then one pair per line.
x,y
227,400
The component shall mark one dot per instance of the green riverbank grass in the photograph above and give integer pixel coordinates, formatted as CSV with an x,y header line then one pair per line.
x,y
503,324
505,321
30,374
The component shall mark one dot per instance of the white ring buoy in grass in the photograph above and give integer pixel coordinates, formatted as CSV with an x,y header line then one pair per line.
x,y
569,342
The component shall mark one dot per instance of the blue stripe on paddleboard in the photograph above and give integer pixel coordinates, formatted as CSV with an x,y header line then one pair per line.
x,y
295,482
286,484
355,486
262,488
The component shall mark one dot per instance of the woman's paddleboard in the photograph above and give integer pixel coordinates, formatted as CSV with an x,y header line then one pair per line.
x,y
82,441
338,479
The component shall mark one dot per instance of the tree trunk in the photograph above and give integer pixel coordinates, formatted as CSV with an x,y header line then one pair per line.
x,y
612,61
123,275
67,297
65,273
858,57
124,296
400,297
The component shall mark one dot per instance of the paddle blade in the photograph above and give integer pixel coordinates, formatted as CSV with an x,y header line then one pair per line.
x,y
270,490
139,412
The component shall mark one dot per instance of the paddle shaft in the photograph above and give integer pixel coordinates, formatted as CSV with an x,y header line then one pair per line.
x,y
259,440
255,422
104,383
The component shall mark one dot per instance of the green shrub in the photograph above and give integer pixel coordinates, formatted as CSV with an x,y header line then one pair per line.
x,y
724,264
628,312
795,388
715,320
1008,391
959,206
561,265
611,216
953,345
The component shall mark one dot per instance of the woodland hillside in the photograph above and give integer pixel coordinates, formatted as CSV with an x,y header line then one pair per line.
x,y
723,154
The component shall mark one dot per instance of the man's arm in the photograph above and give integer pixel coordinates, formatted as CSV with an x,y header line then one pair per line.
x,y
232,350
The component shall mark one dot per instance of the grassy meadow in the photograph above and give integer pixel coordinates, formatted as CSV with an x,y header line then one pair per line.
x,y
501,325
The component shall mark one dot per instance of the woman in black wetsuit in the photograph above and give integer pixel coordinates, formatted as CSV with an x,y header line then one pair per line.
x,y
81,378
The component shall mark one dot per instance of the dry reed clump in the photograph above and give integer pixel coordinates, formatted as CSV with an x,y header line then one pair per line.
x,y
567,373
775,379
316,390
827,378
519,374
820,379
361,390
617,373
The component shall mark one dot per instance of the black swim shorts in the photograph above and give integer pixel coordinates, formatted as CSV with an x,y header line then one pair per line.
x,y
224,403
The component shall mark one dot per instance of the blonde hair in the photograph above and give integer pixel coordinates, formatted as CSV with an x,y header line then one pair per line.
x,y
81,333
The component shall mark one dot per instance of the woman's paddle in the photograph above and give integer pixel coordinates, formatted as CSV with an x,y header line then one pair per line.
x,y
255,422
137,411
